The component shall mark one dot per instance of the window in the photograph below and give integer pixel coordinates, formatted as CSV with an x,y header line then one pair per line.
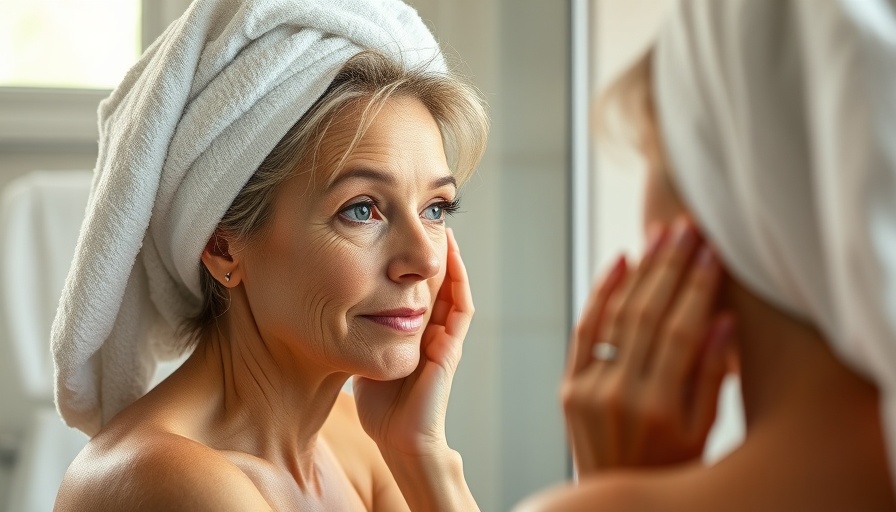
x,y
59,58
87,44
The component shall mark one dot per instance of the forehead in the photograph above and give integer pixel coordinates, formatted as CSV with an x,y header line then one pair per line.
x,y
400,137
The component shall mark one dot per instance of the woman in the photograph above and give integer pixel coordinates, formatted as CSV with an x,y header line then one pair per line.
x,y
769,124
286,267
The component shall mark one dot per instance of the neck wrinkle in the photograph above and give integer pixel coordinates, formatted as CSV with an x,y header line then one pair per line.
x,y
266,403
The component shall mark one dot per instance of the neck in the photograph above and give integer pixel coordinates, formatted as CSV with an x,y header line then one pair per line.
x,y
262,397
785,364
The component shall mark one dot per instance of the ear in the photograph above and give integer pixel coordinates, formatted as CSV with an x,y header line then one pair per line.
x,y
219,262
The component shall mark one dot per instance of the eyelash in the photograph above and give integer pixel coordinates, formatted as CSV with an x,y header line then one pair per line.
x,y
449,207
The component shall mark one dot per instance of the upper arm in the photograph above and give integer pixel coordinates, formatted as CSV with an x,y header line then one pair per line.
x,y
171,476
360,458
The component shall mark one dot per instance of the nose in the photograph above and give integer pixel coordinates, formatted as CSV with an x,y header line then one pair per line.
x,y
415,254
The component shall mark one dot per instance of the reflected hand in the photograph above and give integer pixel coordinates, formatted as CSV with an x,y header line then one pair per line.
x,y
647,395
407,416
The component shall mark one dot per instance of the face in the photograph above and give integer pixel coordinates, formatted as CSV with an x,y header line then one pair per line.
x,y
347,271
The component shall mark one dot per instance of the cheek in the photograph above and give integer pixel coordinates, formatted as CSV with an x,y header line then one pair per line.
x,y
337,276
440,245
306,288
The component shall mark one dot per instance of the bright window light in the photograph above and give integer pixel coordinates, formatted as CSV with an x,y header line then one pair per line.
x,y
68,43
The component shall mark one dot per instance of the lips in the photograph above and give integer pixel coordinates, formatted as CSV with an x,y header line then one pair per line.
x,y
407,320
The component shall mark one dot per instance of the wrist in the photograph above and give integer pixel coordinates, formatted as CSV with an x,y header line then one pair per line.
x,y
430,460
433,480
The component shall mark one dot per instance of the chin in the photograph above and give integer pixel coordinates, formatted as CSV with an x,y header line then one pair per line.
x,y
395,362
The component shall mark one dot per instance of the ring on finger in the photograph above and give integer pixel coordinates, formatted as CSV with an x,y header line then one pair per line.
x,y
605,351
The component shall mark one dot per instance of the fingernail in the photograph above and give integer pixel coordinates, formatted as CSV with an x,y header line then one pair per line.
x,y
706,258
615,271
618,267
682,233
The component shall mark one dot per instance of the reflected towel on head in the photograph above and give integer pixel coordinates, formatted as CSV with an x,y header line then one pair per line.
x,y
779,122
179,138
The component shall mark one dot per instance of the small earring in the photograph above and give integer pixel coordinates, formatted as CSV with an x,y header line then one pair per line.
x,y
227,277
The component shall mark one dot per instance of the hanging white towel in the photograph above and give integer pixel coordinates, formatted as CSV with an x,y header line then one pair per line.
x,y
40,216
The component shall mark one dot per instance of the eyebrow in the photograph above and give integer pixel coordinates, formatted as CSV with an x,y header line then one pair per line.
x,y
363,173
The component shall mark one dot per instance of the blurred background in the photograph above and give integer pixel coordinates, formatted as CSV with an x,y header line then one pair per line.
x,y
545,213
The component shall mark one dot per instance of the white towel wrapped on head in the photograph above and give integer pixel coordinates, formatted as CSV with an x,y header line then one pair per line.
x,y
179,138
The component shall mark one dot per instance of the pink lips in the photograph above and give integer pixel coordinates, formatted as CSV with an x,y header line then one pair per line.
x,y
402,319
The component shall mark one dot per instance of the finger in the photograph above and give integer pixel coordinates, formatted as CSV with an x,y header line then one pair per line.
x,y
593,408
461,313
712,371
683,335
584,337
444,300
442,305
606,402
650,302
619,309
457,274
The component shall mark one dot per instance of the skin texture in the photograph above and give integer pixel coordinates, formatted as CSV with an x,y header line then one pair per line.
x,y
638,424
254,419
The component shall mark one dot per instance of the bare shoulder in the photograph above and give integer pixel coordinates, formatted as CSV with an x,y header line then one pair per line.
x,y
154,470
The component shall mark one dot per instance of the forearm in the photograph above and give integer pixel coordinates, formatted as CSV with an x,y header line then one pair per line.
x,y
432,483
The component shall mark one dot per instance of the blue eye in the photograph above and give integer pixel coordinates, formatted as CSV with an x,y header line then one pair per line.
x,y
433,212
438,211
360,212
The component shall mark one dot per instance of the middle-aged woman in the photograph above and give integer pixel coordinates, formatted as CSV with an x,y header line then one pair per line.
x,y
771,125
271,194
